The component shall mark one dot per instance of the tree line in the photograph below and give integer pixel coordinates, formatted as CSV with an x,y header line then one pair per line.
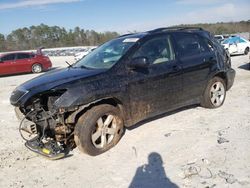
x,y
224,28
54,36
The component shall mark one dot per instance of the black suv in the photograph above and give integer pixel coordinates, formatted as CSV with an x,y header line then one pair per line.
x,y
122,82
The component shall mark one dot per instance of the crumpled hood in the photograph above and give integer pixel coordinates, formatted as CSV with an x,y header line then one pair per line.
x,y
49,80
58,77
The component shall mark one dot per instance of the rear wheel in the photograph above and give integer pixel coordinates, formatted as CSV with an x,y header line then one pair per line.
x,y
246,51
215,93
99,129
37,68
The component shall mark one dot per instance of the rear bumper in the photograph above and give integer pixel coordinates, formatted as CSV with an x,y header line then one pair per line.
x,y
48,65
230,74
47,68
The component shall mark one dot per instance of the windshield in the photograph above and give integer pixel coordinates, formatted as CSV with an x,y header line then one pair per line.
x,y
107,54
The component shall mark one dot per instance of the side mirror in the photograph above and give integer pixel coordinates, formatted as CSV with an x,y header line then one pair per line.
x,y
139,62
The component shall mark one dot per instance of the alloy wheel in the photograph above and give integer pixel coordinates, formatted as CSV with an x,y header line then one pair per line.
x,y
37,68
104,133
217,94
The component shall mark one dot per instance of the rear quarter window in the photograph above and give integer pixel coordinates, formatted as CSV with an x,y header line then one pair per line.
x,y
241,40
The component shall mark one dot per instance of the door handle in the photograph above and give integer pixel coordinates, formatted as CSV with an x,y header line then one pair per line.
x,y
175,71
208,59
176,68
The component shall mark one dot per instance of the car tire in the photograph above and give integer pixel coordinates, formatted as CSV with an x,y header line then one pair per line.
x,y
99,129
37,68
246,51
215,93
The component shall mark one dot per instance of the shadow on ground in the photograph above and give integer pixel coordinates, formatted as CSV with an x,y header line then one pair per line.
x,y
152,175
245,66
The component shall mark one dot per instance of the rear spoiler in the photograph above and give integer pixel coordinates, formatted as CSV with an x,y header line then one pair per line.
x,y
39,51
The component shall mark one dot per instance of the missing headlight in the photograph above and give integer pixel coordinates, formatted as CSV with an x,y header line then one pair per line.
x,y
17,94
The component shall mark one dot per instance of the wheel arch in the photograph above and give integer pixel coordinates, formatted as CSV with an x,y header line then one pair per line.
x,y
73,117
221,74
246,50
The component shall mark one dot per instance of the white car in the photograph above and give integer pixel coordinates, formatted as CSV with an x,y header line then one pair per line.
x,y
236,45
220,38
81,55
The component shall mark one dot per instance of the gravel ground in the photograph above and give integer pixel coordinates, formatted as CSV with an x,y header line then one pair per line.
x,y
192,147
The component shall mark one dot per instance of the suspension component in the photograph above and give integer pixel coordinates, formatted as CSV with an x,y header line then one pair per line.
x,y
49,149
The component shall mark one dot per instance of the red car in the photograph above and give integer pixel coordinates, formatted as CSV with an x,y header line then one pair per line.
x,y
21,62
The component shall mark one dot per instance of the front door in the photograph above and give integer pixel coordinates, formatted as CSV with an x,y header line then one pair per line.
x,y
7,64
155,89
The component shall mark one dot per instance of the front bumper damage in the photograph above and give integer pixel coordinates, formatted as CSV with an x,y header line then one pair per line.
x,y
45,130
40,140
50,149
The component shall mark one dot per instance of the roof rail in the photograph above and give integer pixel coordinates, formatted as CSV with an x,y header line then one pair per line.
x,y
126,35
174,28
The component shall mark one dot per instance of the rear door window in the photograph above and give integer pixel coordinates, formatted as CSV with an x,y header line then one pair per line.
x,y
189,44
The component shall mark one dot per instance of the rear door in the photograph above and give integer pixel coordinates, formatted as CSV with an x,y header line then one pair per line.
x,y
197,59
242,45
155,89
23,62
7,64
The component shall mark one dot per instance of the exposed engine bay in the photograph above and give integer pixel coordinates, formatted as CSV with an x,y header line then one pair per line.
x,y
44,129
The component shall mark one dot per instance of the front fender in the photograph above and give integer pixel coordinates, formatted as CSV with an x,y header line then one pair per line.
x,y
89,92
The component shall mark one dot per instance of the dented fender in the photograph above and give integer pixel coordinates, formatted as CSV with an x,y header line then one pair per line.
x,y
83,93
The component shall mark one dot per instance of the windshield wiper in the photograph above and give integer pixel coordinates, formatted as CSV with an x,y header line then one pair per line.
x,y
69,65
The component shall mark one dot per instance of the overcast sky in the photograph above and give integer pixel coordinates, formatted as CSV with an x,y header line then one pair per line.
x,y
118,15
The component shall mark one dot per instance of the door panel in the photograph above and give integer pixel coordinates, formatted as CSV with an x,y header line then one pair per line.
x,y
155,89
6,67
241,47
22,63
196,69
197,58
233,48
7,64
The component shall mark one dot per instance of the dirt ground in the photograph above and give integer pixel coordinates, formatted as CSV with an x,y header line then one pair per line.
x,y
192,147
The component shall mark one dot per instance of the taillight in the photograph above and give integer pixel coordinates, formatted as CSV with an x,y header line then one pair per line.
x,y
46,58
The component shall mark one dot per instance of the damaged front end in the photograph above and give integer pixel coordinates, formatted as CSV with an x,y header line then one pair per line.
x,y
43,104
44,128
